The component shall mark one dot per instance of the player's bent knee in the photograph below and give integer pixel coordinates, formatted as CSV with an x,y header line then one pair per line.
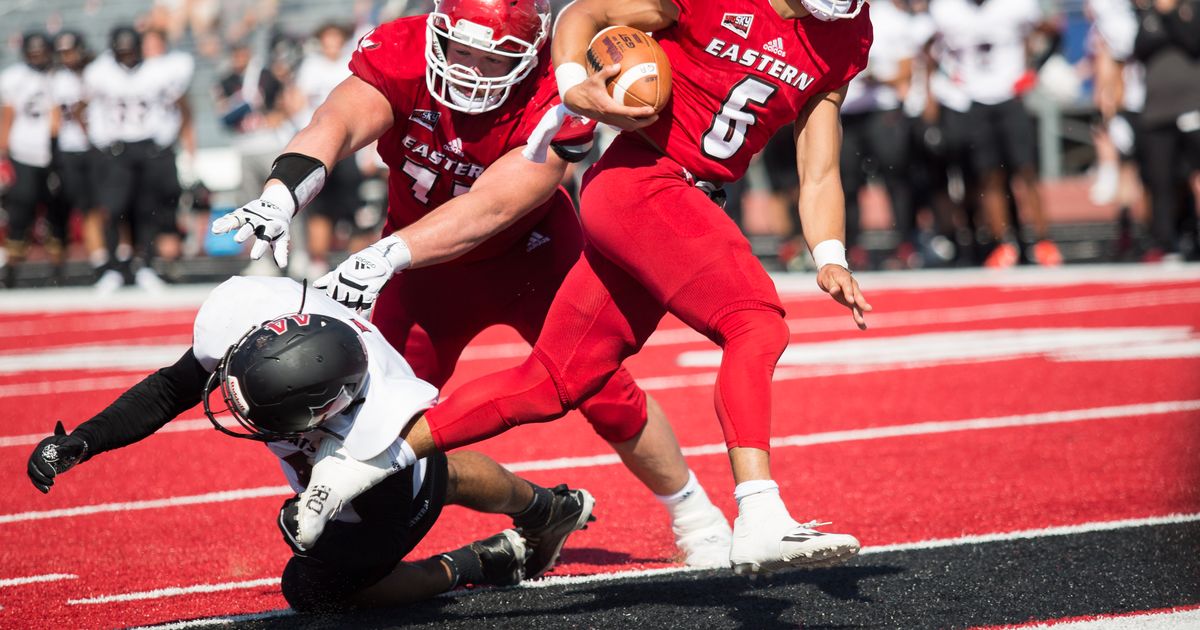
x,y
535,395
309,589
754,331
618,411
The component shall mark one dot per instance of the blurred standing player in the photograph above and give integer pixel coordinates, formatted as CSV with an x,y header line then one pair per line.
x,y
875,131
983,64
137,110
27,116
320,72
328,396
656,242
482,235
75,162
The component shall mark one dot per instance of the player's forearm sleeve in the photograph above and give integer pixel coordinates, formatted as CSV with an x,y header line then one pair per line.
x,y
146,407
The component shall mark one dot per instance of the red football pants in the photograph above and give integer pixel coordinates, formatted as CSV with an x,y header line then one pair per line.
x,y
655,244
430,314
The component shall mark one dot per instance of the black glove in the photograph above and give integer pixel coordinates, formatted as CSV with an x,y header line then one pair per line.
x,y
53,455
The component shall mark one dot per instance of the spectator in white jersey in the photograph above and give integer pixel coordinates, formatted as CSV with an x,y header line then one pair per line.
x,y
983,71
75,163
874,130
27,115
137,110
320,72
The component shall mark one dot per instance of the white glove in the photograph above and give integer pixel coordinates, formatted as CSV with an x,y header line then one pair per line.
x,y
356,282
267,219
337,478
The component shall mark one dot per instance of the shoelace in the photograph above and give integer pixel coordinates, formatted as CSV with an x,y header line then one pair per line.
x,y
813,524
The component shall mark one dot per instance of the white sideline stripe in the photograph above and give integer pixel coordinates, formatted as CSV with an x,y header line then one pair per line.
x,y
86,299
1067,530
41,388
830,437
152,353
33,579
623,575
195,499
174,426
1158,620
903,430
175,591
220,621
900,319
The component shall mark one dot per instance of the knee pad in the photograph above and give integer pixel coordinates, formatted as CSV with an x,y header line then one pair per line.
x,y
618,411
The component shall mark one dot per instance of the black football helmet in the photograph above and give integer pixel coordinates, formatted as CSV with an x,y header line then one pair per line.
x,y
125,42
289,375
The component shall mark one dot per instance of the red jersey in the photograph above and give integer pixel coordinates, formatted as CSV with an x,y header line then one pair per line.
x,y
740,73
435,153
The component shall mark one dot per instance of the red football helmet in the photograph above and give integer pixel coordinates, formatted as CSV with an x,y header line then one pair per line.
x,y
515,29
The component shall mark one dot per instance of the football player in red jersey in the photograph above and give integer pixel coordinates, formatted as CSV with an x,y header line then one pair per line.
x,y
656,243
482,235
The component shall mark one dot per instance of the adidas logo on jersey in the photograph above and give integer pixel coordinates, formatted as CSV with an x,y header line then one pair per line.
x,y
536,240
425,118
738,23
775,46
454,146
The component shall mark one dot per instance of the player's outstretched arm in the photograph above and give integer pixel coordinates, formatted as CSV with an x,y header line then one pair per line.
x,y
354,115
577,25
822,202
135,415
451,230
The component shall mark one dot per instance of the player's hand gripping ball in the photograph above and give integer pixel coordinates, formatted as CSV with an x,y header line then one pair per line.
x,y
645,76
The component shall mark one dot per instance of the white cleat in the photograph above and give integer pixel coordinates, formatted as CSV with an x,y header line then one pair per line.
x,y
109,281
704,537
149,281
774,544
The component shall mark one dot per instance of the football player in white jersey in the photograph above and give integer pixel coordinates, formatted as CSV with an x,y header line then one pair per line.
x,y
983,72
75,163
327,394
137,109
26,118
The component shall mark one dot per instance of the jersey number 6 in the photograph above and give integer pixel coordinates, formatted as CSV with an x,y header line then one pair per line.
x,y
728,129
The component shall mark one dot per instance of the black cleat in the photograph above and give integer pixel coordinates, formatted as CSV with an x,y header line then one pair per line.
x,y
570,512
502,558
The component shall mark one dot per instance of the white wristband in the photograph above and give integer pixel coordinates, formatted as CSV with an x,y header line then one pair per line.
x,y
568,75
396,251
830,252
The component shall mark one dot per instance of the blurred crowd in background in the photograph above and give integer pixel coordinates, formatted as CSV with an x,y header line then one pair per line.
x,y
978,130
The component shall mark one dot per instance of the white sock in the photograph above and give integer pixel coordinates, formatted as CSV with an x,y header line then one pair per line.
x,y
671,500
758,495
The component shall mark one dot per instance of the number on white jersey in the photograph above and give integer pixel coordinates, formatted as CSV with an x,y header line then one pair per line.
x,y
727,132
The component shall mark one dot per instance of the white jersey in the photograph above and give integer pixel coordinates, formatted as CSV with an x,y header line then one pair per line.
x,y
393,395
921,31
980,49
894,43
27,91
1115,27
67,88
316,78
139,103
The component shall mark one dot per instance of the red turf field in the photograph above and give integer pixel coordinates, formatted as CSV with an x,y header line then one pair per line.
x,y
966,409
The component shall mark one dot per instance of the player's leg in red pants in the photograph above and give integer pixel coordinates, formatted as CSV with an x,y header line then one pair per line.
x,y
654,243
430,314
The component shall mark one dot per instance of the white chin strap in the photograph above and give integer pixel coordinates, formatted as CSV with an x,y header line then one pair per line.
x,y
830,10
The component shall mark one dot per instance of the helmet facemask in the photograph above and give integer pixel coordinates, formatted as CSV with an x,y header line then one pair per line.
x,y
463,89
830,10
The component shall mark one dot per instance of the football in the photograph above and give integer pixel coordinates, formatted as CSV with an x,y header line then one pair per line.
x,y
645,77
